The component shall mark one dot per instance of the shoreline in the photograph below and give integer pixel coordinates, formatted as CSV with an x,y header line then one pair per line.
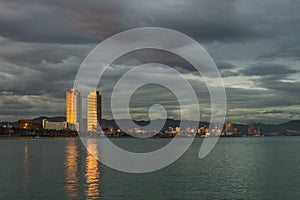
x,y
34,138
65,137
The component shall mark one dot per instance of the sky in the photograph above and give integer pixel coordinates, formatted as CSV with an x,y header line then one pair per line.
x,y
254,43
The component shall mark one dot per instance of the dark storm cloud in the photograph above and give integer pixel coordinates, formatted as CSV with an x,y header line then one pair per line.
x,y
250,98
280,89
18,107
290,52
91,21
294,114
53,21
39,21
274,111
226,66
208,20
288,89
228,69
228,73
214,20
46,80
37,69
38,55
144,56
276,78
267,69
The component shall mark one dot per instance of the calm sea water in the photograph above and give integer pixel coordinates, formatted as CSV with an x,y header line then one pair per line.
x,y
237,168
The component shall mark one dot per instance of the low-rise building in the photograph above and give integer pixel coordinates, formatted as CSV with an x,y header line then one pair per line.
x,y
73,127
28,124
55,125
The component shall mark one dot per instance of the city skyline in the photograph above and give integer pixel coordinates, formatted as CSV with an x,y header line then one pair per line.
x,y
131,99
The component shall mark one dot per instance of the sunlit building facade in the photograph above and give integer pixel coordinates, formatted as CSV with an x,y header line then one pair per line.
x,y
228,128
73,107
93,111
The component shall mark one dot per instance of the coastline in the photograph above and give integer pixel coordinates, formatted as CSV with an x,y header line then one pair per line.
x,y
65,137
34,138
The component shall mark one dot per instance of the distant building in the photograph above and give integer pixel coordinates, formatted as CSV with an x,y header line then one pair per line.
x,y
171,131
29,124
73,107
235,131
228,128
216,131
72,127
257,131
44,123
190,130
251,127
199,131
5,130
202,130
6,126
93,111
55,125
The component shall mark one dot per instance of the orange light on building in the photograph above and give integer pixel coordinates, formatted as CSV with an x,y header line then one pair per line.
x,y
229,128
93,111
28,124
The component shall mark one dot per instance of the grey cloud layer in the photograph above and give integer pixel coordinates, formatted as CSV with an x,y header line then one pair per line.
x,y
207,20
254,43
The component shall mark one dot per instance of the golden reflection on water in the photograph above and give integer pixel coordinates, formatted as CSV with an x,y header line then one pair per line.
x,y
26,166
92,174
71,164
74,184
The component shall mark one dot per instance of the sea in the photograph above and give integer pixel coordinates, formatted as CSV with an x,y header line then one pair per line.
x,y
237,168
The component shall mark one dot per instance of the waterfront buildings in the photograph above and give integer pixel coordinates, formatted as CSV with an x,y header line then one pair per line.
x,y
58,125
55,125
228,128
93,111
28,124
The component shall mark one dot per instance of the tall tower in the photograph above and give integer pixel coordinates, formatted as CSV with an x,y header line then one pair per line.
x,y
73,107
228,128
93,111
251,127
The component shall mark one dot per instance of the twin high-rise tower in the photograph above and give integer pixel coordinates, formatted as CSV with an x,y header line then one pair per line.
x,y
93,111
74,109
